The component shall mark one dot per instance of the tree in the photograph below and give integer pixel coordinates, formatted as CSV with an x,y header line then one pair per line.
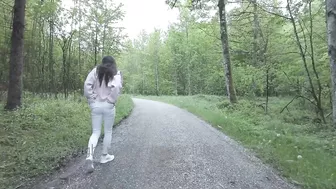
x,y
331,27
226,53
16,57
225,45
315,92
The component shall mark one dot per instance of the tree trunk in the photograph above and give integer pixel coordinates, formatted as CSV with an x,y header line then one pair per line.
x,y
157,70
96,44
176,83
156,78
52,86
104,36
225,45
16,57
255,50
331,26
317,103
255,33
189,57
69,81
142,76
267,88
79,43
64,55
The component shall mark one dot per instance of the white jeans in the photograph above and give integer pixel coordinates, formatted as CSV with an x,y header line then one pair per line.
x,y
101,111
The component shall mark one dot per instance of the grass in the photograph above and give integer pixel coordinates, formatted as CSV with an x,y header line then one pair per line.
x,y
44,134
278,139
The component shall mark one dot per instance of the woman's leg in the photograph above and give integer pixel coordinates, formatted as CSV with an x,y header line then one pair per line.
x,y
109,115
97,118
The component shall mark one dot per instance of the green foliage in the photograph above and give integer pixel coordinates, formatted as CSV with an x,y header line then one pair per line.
x,y
278,139
190,54
64,40
44,134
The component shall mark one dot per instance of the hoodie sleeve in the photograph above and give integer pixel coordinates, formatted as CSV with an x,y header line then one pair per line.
x,y
88,84
116,86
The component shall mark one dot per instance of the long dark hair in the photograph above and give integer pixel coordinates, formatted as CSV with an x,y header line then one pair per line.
x,y
107,69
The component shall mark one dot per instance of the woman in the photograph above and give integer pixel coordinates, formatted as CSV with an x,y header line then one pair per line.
x,y
102,88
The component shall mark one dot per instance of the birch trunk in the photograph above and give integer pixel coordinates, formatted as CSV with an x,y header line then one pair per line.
x,y
225,45
331,28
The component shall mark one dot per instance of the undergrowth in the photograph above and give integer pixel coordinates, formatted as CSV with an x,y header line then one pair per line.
x,y
44,134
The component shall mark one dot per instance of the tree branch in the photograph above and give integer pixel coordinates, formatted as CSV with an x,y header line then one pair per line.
x,y
298,96
273,13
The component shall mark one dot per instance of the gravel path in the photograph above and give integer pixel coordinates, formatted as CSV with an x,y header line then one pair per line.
x,y
161,146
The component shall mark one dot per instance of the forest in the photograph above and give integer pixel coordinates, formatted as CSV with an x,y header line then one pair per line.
x,y
263,68
272,53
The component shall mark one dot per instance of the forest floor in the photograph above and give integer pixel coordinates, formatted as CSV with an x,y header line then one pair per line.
x,y
290,141
44,135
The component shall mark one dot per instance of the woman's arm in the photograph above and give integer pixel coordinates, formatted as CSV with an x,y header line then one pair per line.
x,y
121,81
116,86
88,84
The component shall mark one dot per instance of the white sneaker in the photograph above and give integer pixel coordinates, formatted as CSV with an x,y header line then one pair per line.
x,y
106,158
89,164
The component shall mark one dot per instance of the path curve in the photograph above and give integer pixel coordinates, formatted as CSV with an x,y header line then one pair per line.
x,y
161,146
